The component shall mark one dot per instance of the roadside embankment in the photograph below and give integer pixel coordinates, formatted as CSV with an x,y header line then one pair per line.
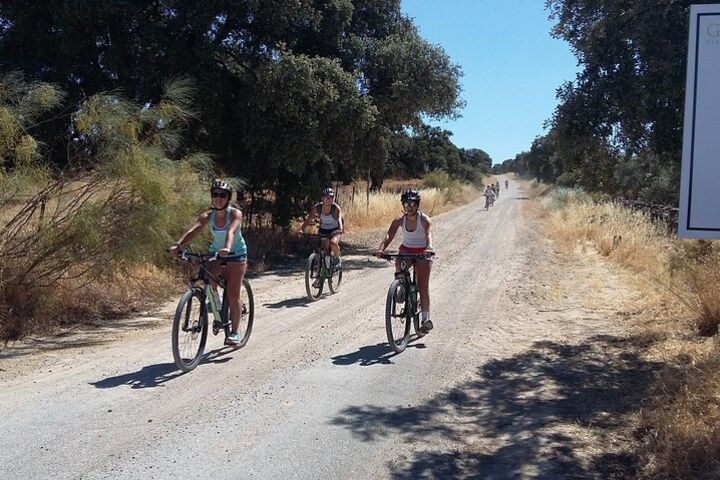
x,y
675,319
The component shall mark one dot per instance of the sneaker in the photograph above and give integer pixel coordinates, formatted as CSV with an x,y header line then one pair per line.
x,y
426,326
338,262
233,339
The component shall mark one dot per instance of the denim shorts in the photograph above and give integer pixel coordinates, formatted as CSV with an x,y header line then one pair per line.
x,y
235,259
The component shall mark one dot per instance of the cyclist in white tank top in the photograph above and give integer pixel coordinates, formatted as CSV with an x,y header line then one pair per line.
x,y
331,224
417,238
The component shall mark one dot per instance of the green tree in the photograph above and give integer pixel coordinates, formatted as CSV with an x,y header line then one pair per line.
x,y
342,75
626,104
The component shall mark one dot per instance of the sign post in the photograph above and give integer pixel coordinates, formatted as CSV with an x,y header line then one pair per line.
x,y
700,174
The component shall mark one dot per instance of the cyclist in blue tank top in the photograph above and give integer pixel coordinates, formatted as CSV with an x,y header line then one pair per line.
x,y
228,242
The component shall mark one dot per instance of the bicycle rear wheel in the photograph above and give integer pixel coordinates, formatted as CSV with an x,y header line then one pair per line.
x,y
313,280
335,279
397,320
190,329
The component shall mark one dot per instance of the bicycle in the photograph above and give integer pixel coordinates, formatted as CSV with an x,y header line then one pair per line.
x,y
190,324
319,268
402,306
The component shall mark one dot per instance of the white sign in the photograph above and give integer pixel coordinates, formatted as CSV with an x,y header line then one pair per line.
x,y
700,182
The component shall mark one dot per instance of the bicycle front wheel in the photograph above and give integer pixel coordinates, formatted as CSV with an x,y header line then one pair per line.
x,y
335,279
247,303
190,329
416,318
397,320
313,279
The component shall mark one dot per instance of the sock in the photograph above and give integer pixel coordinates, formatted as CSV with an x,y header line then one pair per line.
x,y
425,316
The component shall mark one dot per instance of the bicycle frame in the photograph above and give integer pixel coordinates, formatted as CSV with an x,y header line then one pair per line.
x,y
320,251
219,307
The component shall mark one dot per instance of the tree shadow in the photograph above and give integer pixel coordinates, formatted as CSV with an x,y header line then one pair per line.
x,y
379,354
528,416
152,376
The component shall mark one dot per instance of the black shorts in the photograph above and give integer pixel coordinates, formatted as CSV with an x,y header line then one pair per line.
x,y
328,232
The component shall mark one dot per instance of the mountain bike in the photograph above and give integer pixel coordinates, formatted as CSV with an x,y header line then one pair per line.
x,y
320,268
403,305
488,202
190,325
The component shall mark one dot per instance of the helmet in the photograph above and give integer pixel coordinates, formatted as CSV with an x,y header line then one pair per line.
x,y
221,185
328,192
410,195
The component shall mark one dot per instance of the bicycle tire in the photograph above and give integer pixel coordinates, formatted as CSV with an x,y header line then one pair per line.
x,y
186,354
335,280
247,301
393,318
416,321
312,277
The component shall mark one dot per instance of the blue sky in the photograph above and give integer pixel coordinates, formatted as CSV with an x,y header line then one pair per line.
x,y
511,65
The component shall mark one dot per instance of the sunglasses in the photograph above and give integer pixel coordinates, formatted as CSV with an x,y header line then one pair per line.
x,y
219,195
327,197
409,204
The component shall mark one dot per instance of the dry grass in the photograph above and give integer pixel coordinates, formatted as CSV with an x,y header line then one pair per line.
x,y
71,303
682,417
678,285
385,205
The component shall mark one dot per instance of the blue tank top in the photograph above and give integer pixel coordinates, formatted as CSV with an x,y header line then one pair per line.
x,y
220,235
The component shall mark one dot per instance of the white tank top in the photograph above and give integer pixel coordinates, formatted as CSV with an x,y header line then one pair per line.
x,y
327,222
416,238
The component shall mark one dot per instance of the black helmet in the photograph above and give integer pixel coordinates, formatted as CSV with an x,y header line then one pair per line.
x,y
328,192
221,185
410,195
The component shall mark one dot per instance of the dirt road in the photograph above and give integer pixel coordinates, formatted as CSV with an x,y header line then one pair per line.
x,y
512,383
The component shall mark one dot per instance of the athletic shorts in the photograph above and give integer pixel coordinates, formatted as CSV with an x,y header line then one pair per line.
x,y
418,251
328,232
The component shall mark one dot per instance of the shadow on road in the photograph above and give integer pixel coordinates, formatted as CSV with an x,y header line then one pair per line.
x,y
535,415
156,375
379,354
289,303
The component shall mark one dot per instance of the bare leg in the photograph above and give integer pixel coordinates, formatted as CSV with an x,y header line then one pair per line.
x,y
235,272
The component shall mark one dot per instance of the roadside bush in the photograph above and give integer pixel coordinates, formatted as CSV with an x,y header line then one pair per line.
x,y
88,226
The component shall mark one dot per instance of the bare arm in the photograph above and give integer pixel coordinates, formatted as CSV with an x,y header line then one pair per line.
x,y
390,234
427,224
340,219
311,216
187,237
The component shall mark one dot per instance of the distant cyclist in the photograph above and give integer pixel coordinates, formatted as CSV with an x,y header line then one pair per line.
x,y
228,243
506,184
331,224
489,196
417,239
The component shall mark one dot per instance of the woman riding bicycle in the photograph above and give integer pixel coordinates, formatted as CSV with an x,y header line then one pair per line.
x,y
417,239
331,224
228,243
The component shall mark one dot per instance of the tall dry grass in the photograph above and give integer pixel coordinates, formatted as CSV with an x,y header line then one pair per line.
x,y
383,206
679,422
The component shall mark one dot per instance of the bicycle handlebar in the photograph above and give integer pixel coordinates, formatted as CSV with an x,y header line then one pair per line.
x,y
418,256
210,257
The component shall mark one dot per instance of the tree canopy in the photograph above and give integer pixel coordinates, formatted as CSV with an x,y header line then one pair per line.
x,y
289,89
618,125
